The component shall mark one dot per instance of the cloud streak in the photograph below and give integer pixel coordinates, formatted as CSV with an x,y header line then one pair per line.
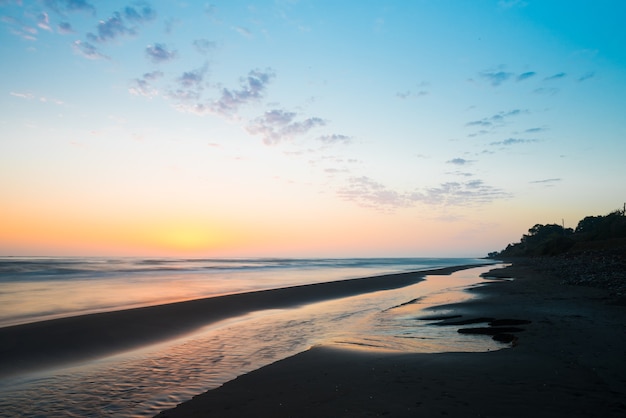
x,y
158,53
144,86
496,78
251,89
279,125
369,193
497,119
88,50
63,6
513,141
557,76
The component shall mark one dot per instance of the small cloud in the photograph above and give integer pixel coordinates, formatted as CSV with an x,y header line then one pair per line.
x,y
459,161
154,75
278,125
513,141
557,76
65,28
369,193
526,75
143,86
143,13
411,95
535,130
496,78
546,91
110,29
88,50
170,24
27,96
192,78
62,6
159,53
43,22
497,119
252,88
203,46
334,139
586,76
210,9
243,31
546,181
116,25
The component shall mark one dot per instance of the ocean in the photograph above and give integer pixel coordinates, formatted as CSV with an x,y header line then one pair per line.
x,y
142,382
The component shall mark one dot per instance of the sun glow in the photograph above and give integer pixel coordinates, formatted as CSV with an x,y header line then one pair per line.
x,y
186,238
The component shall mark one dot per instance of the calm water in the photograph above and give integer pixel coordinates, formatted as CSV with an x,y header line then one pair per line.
x,y
33,289
143,382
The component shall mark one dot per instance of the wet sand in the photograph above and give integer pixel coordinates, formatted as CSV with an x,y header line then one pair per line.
x,y
64,341
569,361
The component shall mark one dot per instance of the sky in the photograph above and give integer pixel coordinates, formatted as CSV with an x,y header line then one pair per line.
x,y
291,128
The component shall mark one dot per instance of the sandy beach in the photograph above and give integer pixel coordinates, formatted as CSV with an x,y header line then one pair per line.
x,y
74,339
568,359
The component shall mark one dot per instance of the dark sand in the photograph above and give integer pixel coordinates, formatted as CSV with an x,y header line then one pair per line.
x,y
69,340
570,361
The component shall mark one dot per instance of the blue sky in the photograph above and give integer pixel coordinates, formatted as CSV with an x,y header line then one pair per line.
x,y
306,128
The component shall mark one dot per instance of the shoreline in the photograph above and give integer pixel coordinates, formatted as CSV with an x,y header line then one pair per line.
x,y
570,360
64,341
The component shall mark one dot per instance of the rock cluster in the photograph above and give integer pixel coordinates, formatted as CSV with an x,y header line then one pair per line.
x,y
602,268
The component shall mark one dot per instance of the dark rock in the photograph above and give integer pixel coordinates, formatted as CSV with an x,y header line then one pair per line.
x,y
508,322
489,330
504,338
468,321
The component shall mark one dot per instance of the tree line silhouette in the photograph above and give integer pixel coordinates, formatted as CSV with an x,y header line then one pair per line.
x,y
592,232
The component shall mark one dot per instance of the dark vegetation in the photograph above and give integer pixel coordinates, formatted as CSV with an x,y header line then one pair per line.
x,y
593,232
593,254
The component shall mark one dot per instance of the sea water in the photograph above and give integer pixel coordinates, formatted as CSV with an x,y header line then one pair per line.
x,y
142,382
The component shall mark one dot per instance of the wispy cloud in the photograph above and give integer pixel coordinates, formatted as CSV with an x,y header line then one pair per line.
x,y
43,21
496,119
27,96
411,94
158,53
203,46
496,78
243,31
462,194
551,91
110,29
459,161
526,75
63,6
190,86
117,25
142,13
31,96
252,88
369,193
546,181
279,125
193,78
535,130
144,86
556,76
88,50
586,76
513,141
65,28
334,139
